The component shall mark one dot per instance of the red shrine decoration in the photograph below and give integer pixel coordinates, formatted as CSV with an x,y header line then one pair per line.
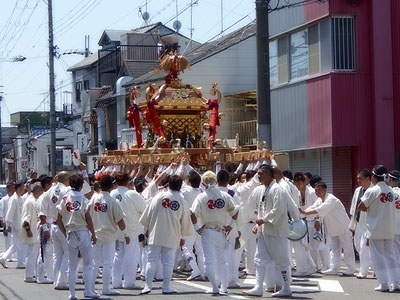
x,y
213,105
134,116
152,116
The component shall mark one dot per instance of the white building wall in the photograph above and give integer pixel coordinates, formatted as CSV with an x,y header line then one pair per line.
x,y
235,70
42,145
79,108
21,155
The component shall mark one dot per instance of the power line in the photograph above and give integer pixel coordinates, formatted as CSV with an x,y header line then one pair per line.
x,y
32,37
178,14
226,15
8,22
67,20
84,13
60,22
111,24
80,14
21,32
161,10
13,29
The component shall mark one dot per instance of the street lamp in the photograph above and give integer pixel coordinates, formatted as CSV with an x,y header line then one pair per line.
x,y
18,58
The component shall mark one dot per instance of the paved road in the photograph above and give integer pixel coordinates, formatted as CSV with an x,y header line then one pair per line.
x,y
321,287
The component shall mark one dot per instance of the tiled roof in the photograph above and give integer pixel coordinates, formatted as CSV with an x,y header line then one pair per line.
x,y
39,131
85,63
204,51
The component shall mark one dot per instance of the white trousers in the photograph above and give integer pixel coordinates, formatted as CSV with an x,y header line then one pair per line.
x,y
145,254
273,276
250,244
103,253
10,250
384,260
194,241
233,262
272,254
272,248
338,243
7,240
214,246
360,243
167,256
126,261
32,253
46,263
304,262
319,250
60,257
80,242
396,242
18,247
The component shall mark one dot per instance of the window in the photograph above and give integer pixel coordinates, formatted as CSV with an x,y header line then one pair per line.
x,y
299,54
313,49
342,35
78,89
86,85
273,63
318,48
278,61
283,60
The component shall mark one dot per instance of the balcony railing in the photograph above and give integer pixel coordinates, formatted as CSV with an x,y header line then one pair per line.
x,y
247,131
111,60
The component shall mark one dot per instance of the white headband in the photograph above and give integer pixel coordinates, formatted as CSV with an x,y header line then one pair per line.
x,y
35,185
378,175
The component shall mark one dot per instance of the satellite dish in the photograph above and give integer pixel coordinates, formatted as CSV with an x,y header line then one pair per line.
x,y
145,16
177,25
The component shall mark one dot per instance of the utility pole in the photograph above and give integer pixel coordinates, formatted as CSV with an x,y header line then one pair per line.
x,y
263,86
52,93
87,46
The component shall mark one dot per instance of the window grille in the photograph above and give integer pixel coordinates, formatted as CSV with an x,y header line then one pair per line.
x,y
343,45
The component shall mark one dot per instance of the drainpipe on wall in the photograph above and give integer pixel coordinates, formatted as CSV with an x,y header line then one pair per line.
x,y
121,108
101,129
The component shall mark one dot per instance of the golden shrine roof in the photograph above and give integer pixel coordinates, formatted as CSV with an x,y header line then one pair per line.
x,y
179,97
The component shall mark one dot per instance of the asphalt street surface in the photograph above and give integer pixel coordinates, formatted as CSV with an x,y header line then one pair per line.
x,y
324,287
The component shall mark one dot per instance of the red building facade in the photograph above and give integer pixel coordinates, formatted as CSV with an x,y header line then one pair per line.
x,y
342,113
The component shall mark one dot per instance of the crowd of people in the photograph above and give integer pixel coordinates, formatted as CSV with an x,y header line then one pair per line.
x,y
146,222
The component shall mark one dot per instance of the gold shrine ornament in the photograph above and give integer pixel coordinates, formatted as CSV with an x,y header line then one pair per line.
x,y
180,95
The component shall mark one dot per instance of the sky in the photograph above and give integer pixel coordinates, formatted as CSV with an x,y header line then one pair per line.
x,y
24,32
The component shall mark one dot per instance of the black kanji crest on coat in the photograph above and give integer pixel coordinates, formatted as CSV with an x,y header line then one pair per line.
x,y
219,203
174,205
389,197
76,205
